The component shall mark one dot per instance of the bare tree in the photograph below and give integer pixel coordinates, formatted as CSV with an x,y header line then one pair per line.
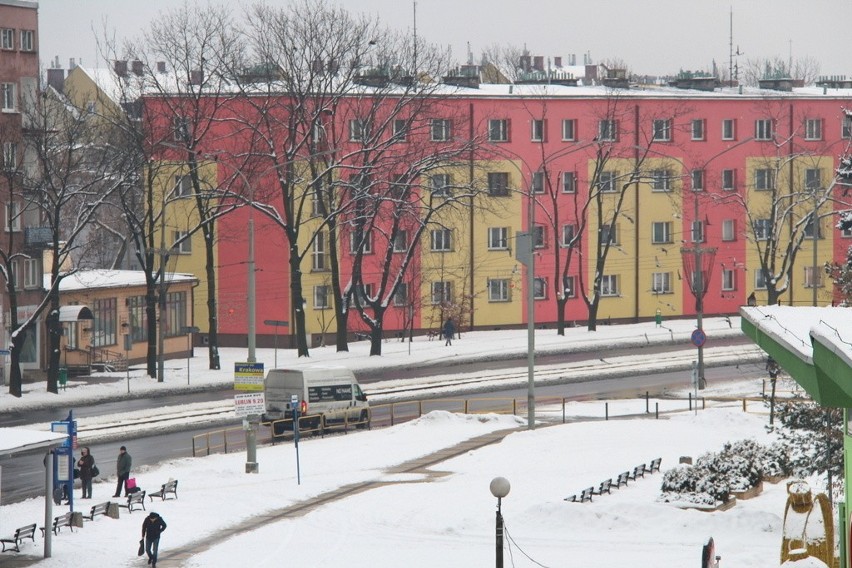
x,y
805,68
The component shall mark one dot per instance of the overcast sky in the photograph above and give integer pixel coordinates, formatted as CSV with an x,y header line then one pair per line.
x,y
662,37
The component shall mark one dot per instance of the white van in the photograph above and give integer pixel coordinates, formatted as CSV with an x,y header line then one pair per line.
x,y
330,391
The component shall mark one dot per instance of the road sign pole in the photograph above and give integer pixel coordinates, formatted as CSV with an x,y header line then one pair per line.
x,y
276,324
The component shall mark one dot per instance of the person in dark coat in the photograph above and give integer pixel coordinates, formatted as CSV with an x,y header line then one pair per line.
x,y
449,331
85,464
152,527
122,469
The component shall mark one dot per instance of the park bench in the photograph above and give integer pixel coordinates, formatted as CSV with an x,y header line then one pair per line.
x,y
604,487
21,533
170,487
61,521
622,479
585,495
655,465
99,509
638,471
136,499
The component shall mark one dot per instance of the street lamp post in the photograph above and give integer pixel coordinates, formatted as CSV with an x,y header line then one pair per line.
x,y
499,488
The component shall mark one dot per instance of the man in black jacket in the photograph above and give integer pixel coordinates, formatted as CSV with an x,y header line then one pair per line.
x,y
152,527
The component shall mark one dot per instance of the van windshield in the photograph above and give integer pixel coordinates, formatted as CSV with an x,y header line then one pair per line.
x,y
359,394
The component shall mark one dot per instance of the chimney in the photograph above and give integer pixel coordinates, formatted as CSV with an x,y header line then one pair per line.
x,y
538,62
161,66
120,67
137,67
557,61
525,62
196,77
333,66
72,63
317,66
56,79
572,59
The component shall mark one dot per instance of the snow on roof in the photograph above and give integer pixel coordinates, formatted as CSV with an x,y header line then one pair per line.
x,y
14,440
792,326
85,279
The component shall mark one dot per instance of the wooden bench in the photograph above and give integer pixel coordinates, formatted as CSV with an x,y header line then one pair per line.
x,y
99,509
170,487
585,495
604,487
622,479
655,465
638,471
134,500
21,533
61,521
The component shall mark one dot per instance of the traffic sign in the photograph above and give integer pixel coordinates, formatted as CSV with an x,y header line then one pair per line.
x,y
4,352
698,337
248,376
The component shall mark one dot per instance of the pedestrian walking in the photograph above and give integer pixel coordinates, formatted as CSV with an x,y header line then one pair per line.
x,y
86,464
449,331
152,528
122,469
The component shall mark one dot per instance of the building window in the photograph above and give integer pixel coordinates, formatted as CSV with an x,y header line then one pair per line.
x,y
180,129
400,295
661,282
569,234
316,201
362,242
32,273
498,130
539,288
441,240
359,130
538,130
729,230
609,285
442,292
104,323
846,126
539,237
764,179
13,216
607,181
183,186
698,231
7,94
813,129
175,313
729,279
569,129
400,241
440,185
608,130
440,130
609,234
399,130
322,297
846,232
363,293
568,288
763,129
813,276
14,274
809,229
697,180
538,182
813,179
182,246
759,279
661,180
27,40
138,318
569,182
7,38
661,232
498,238
729,180
762,229
498,290
319,260
698,129
662,130
498,184
10,156
729,129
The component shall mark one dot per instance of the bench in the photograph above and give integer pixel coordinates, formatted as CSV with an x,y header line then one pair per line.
x,y
655,465
99,509
21,533
585,495
170,487
622,479
134,500
638,471
61,521
604,487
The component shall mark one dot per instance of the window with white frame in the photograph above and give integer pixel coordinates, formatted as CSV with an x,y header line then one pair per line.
x,y
540,288
846,126
662,130
183,186
609,285
813,276
813,129
13,216
360,240
7,38
442,292
10,156
32,273
440,130
27,40
8,97
762,229
569,182
698,231
182,246
729,180
609,234
661,282
729,129
359,130
608,130
180,128
697,180
400,241
729,230
538,130
760,279
498,238
539,236
498,130
661,232
729,279
400,295
440,185
319,253
698,129
538,182
569,129
498,289
607,181
661,180
568,287
322,297
569,235
764,179
399,130
763,129
813,179
316,202
441,240
15,273
498,184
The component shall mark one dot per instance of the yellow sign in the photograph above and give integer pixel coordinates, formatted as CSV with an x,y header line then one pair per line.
x,y
248,376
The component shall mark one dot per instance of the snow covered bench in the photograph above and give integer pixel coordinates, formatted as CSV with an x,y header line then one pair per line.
x,y
585,495
170,487
21,533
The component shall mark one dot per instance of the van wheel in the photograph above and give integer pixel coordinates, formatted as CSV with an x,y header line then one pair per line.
x,y
363,420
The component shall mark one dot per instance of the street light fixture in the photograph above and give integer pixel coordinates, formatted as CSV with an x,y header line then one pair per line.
x,y
499,488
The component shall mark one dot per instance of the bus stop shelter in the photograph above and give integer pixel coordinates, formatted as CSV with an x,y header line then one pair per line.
x,y
814,346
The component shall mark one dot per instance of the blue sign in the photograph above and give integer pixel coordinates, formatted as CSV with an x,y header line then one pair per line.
x,y
698,337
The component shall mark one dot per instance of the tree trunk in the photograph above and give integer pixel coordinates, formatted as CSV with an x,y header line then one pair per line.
x,y
593,314
151,330
212,320
296,297
560,315
53,331
15,376
376,341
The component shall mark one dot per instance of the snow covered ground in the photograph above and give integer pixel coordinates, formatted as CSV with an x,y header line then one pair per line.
x,y
440,517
